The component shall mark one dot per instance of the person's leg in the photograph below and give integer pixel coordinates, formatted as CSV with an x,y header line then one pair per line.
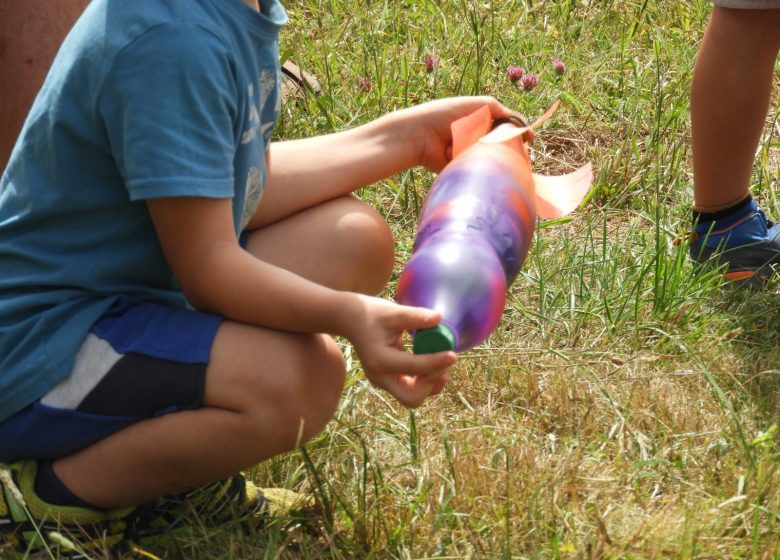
x,y
730,97
356,254
261,386
265,390
139,361
30,35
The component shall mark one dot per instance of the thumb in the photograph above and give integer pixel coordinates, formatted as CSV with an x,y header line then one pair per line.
x,y
415,318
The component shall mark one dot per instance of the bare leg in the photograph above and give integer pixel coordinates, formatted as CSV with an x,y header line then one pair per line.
x,y
364,264
263,387
30,35
729,101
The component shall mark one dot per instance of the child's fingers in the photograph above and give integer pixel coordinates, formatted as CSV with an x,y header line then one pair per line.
x,y
411,391
439,384
497,109
410,318
422,365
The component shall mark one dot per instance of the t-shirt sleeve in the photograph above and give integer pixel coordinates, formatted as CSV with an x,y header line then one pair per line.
x,y
168,106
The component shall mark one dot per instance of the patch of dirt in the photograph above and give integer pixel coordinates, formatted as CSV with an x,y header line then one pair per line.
x,y
558,151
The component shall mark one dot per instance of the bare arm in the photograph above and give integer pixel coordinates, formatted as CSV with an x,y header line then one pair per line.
x,y
217,275
303,173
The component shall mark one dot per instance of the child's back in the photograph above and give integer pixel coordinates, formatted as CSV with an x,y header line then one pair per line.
x,y
124,115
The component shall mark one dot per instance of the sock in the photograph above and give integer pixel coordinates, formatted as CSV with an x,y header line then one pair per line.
x,y
51,490
726,216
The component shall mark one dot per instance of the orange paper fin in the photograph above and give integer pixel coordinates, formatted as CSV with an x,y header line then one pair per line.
x,y
559,195
547,114
469,129
504,133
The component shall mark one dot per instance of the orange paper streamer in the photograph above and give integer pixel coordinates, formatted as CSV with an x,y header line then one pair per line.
x,y
556,195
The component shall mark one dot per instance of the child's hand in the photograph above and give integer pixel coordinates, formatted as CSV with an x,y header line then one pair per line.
x,y
429,125
376,334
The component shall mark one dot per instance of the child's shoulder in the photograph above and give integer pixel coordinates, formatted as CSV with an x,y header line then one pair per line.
x,y
115,24
129,39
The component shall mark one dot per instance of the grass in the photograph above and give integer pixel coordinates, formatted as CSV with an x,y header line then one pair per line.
x,y
625,407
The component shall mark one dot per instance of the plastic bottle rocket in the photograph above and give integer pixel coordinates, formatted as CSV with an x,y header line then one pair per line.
x,y
476,227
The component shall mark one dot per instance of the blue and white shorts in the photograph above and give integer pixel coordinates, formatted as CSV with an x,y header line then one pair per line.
x,y
139,361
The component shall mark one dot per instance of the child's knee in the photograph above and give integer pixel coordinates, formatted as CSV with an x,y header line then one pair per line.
x,y
371,245
325,373
300,400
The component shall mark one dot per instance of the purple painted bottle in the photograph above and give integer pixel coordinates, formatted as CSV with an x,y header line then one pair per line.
x,y
473,235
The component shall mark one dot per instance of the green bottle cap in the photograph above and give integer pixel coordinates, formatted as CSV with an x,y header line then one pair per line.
x,y
435,339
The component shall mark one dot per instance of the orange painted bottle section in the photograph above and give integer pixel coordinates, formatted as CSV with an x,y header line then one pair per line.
x,y
474,232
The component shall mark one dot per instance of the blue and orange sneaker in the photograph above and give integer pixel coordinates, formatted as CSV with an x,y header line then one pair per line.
x,y
745,243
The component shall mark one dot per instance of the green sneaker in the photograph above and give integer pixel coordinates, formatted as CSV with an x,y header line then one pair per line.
x,y
234,500
30,525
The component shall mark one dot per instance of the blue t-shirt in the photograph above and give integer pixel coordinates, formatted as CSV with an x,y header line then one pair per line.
x,y
145,99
